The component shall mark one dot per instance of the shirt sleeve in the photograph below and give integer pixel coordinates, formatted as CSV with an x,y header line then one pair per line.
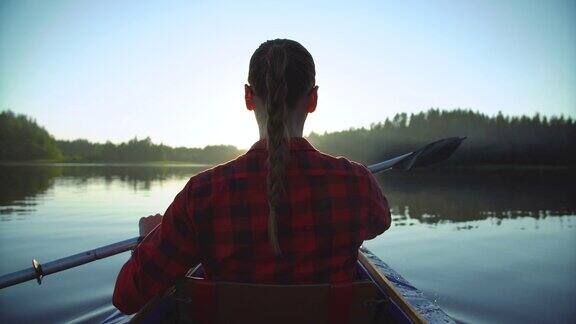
x,y
379,218
162,257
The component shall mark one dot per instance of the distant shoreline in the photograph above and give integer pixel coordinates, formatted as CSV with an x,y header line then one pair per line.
x,y
104,163
486,167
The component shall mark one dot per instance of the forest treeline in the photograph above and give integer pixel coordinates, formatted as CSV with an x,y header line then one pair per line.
x,y
21,138
144,150
500,139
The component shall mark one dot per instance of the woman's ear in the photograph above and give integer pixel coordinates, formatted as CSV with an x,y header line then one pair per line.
x,y
312,100
249,97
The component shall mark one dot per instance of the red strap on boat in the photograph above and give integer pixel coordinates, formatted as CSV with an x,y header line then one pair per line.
x,y
204,302
340,300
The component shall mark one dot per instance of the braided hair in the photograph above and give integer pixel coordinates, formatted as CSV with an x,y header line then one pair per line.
x,y
281,72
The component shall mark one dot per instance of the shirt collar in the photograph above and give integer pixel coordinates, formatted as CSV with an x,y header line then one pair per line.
x,y
296,144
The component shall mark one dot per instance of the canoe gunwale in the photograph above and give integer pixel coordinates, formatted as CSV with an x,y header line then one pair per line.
x,y
426,307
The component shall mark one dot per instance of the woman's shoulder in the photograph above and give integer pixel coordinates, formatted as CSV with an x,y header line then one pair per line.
x,y
343,164
218,173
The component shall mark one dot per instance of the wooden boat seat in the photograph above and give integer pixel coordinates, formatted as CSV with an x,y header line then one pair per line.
x,y
199,301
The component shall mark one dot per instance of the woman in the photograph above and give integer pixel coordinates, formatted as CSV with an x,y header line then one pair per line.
x,y
281,213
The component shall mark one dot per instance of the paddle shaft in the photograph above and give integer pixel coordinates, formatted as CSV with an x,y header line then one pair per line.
x,y
38,271
429,152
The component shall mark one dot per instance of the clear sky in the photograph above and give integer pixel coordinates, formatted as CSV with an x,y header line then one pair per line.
x,y
174,70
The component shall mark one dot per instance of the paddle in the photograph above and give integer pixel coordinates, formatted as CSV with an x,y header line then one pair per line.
x,y
427,155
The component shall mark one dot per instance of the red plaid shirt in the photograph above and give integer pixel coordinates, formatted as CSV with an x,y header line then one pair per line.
x,y
220,219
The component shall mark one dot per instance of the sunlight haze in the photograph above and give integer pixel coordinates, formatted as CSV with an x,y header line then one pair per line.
x,y
175,70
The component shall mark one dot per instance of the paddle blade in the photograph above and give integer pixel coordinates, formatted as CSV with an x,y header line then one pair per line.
x,y
430,154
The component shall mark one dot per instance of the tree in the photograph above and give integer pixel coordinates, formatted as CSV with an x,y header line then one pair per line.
x,y
21,138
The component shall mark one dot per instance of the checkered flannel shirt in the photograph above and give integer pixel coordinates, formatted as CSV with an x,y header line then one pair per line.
x,y
219,219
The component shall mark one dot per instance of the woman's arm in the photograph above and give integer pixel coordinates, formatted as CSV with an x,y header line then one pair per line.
x,y
163,256
379,218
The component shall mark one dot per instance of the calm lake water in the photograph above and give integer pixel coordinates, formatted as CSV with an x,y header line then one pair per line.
x,y
489,246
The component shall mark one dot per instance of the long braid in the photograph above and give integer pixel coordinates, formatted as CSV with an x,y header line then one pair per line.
x,y
281,72
276,136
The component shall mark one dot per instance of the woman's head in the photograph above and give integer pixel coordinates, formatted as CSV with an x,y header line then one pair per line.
x,y
281,68
282,83
282,92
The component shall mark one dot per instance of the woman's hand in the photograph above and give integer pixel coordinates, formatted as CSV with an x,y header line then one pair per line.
x,y
147,224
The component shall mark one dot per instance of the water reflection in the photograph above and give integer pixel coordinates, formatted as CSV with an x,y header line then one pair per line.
x,y
22,186
140,177
427,196
435,196
19,185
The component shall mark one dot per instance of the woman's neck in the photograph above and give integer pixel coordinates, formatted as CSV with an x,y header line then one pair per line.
x,y
295,127
293,130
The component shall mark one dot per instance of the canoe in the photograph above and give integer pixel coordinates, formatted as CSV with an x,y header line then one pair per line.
x,y
403,302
